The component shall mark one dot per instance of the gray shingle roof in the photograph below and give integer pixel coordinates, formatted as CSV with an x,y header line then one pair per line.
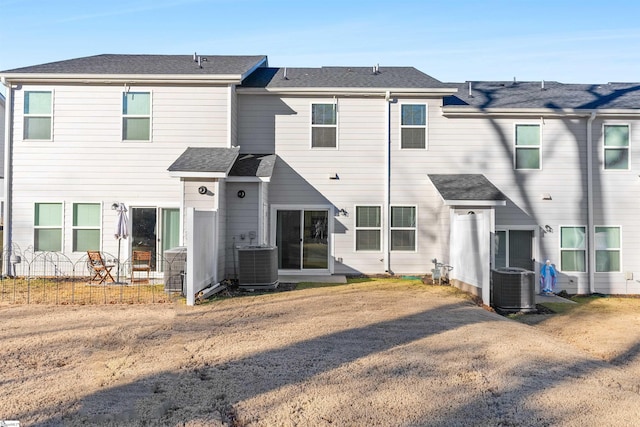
x,y
554,95
468,187
147,64
342,77
254,165
205,159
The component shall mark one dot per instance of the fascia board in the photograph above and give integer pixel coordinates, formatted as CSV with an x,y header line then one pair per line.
x,y
184,174
123,78
537,112
333,91
475,202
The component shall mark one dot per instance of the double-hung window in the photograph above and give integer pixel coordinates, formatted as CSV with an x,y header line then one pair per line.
x,y
136,116
527,146
616,147
413,126
403,228
86,227
573,249
608,244
38,108
47,226
324,126
368,228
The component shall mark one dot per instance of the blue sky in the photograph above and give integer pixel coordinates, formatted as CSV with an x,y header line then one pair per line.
x,y
569,41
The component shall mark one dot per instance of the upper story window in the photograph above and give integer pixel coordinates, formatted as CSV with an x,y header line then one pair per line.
x,y
608,246
527,146
324,126
38,110
573,253
616,147
413,126
368,228
47,226
136,116
86,227
403,228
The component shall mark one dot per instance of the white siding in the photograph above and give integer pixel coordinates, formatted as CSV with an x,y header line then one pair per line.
x,y
243,219
88,161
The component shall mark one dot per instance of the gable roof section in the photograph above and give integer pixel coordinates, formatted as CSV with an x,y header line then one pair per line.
x,y
405,79
550,96
141,67
252,166
204,162
467,190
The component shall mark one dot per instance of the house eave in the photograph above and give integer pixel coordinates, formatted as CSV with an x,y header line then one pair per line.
x,y
475,202
248,179
107,79
342,91
184,174
457,111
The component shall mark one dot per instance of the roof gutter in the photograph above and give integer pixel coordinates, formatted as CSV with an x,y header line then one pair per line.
x,y
123,78
545,112
342,91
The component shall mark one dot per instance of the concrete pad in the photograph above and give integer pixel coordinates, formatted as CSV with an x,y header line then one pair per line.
x,y
543,298
298,278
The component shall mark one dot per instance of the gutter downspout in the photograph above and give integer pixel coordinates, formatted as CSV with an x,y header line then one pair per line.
x,y
8,132
590,222
387,186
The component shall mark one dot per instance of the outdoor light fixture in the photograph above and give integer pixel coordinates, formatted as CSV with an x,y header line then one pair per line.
x,y
545,196
202,189
114,206
548,229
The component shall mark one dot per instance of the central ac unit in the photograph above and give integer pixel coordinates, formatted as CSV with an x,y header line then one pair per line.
x,y
258,267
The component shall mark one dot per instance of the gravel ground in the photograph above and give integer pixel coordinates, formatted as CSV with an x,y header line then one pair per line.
x,y
387,353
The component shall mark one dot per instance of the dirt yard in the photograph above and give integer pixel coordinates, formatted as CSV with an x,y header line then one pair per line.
x,y
387,353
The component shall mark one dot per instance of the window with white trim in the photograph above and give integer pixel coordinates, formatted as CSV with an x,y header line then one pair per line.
x,y
616,147
573,254
413,126
86,226
368,228
136,116
527,146
608,245
38,114
47,225
403,228
324,126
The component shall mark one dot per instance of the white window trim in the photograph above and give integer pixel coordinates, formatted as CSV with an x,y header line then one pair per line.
x,y
97,227
515,145
425,126
312,125
604,148
39,227
135,116
585,250
356,228
25,116
392,228
619,249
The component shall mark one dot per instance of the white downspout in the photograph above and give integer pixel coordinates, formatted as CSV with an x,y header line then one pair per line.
x,y
590,222
8,229
387,187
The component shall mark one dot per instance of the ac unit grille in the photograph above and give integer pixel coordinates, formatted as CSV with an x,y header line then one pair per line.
x,y
258,267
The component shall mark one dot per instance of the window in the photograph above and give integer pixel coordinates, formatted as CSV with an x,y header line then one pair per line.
x,y
413,126
607,249
37,115
616,147
403,228
368,228
573,249
48,227
324,128
86,227
136,116
527,147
